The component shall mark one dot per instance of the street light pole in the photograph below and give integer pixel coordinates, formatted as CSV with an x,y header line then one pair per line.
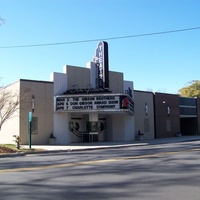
x,y
30,116
29,128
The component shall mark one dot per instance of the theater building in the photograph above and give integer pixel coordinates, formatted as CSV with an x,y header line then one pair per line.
x,y
93,104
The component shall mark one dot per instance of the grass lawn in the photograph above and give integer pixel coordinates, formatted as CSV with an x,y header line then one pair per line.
x,y
11,148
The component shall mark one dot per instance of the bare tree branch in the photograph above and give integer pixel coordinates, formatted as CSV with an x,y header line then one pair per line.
x,y
11,102
2,21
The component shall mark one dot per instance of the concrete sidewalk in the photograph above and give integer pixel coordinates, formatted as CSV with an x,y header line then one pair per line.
x,y
41,149
105,145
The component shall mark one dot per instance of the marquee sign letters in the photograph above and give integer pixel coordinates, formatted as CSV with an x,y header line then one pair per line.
x,y
94,103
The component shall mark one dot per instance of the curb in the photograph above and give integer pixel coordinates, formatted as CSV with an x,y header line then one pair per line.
x,y
12,154
71,150
145,143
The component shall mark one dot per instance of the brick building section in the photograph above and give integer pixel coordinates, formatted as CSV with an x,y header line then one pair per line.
x,y
198,115
167,115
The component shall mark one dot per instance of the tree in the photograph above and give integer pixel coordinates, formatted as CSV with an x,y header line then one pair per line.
x,y
2,21
192,90
11,102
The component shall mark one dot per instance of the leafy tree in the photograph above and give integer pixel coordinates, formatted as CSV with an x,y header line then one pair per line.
x,y
192,90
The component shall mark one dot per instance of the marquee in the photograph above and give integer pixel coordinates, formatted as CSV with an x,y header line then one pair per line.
x,y
90,103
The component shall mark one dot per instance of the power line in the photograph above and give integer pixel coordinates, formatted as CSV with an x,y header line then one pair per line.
x,y
100,39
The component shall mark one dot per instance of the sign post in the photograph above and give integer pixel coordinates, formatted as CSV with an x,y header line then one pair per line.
x,y
30,114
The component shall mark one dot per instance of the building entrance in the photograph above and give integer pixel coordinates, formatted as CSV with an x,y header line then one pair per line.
x,y
84,130
189,125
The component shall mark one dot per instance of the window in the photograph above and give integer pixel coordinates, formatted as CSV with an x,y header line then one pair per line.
x,y
34,125
146,125
168,125
183,101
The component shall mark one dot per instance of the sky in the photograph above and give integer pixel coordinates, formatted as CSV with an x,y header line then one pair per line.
x,y
157,62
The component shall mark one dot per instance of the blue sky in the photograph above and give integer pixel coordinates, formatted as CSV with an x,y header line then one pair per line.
x,y
160,63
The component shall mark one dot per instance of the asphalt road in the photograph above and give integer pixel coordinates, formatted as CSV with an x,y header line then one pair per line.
x,y
152,172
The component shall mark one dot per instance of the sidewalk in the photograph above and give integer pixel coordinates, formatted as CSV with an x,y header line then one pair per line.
x,y
106,145
41,149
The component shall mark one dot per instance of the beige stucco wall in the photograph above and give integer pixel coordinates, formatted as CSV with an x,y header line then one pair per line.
x,y
77,75
43,94
116,82
81,76
120,127
144,122
11,126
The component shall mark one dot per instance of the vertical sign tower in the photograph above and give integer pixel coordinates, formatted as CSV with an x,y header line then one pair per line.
x,y
101,60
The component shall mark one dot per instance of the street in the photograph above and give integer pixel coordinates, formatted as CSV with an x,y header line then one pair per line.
x,y
151,172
